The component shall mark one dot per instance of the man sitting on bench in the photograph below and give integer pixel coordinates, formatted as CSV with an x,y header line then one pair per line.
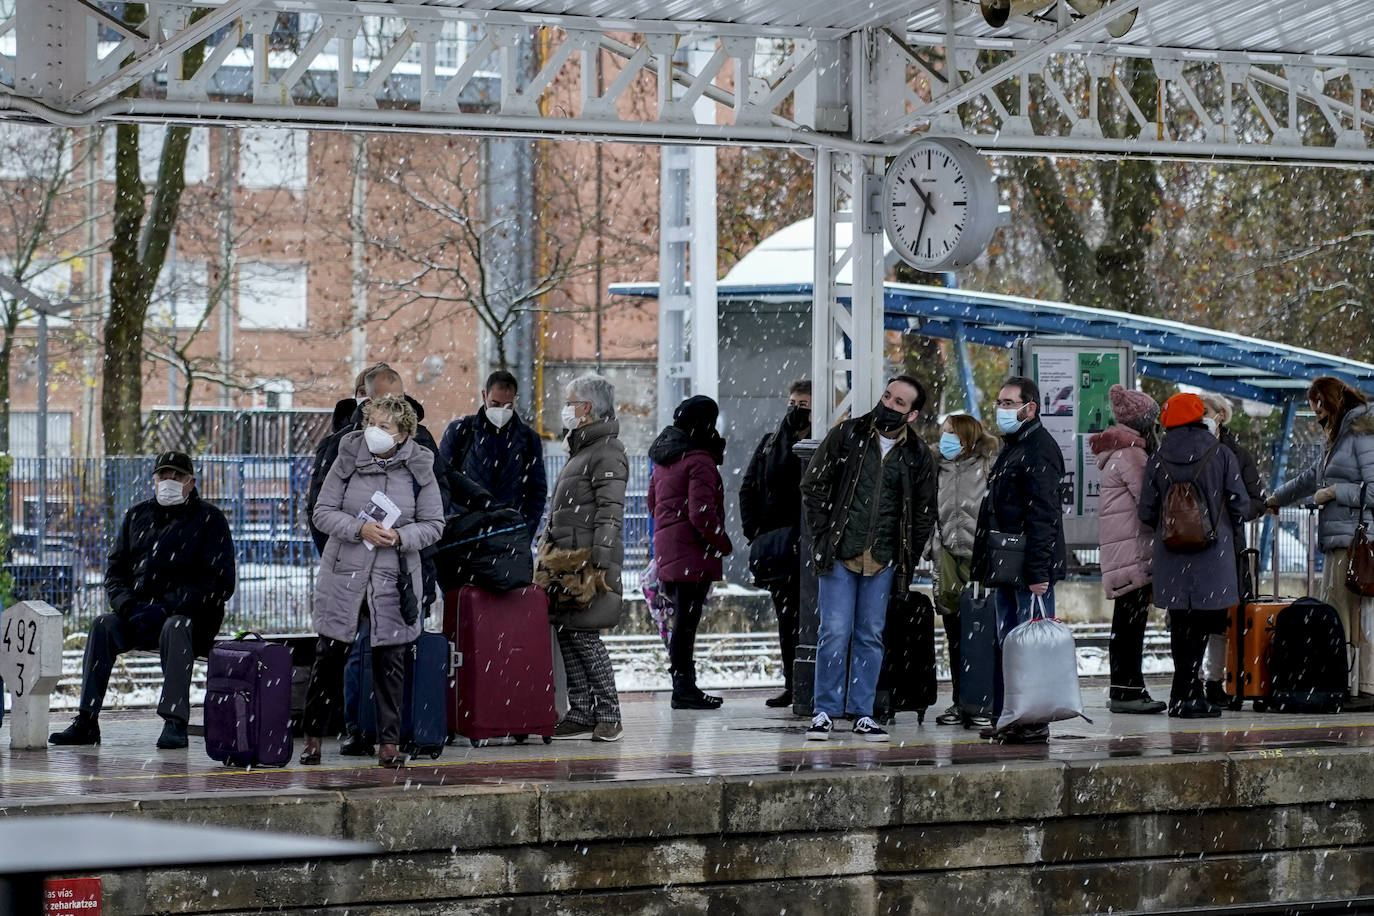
x,y
170,574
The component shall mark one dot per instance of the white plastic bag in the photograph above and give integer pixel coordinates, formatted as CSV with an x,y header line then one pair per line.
x,y
1039,672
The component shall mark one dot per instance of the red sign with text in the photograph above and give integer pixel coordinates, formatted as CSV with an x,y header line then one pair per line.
x,y
72,895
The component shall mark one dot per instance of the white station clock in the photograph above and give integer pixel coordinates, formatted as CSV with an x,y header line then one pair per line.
x,y
939,204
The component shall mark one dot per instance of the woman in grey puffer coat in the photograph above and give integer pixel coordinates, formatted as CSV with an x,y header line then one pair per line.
x,y
1335,482
967,451
364,561
581,556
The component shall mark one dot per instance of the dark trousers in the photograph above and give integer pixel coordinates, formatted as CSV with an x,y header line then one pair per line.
x,y
1188,632
688,599
1129,615
787,604
109,638
326,687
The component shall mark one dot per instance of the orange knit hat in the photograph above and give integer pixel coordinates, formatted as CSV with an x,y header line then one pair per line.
x,y
1182,409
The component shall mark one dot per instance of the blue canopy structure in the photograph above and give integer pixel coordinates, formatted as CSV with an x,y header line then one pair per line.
x,y
1185,354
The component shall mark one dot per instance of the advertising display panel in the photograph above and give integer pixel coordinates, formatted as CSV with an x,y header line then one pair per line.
x,y
1074,377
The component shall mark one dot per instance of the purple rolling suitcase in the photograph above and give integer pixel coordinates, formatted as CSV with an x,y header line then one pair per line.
x,y
248,703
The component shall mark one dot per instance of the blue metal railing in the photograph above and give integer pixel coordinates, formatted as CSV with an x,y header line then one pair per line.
x,y
263,499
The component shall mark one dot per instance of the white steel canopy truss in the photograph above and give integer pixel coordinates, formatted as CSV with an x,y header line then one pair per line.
x,y
1241,80
1235,80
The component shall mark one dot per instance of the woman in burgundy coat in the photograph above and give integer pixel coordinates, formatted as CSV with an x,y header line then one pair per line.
x,y
687,502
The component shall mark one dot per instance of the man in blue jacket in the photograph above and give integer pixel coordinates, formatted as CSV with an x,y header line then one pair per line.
x,y
499,451
171,573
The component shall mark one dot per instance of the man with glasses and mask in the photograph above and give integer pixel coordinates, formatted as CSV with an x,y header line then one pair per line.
x,y
770,509
868,495
171,572
499,451
1023,498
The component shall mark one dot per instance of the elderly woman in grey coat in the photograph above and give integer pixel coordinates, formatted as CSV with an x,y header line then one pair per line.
x,y
1337,483
371,565
581,556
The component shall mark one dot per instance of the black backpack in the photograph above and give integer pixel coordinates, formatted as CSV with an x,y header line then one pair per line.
x,y
488,548
1308,670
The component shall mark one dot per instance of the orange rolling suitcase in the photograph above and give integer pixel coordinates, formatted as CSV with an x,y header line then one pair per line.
x,y
1249,634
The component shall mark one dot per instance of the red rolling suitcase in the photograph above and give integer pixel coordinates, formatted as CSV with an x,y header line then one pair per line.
x,y
503,672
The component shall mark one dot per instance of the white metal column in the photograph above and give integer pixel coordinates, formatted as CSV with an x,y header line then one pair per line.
x,y
847,340
687,314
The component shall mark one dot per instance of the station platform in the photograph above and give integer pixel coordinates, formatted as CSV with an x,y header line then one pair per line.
x,y
734,811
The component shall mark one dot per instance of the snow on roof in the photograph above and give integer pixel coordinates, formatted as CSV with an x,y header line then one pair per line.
x,y
787,256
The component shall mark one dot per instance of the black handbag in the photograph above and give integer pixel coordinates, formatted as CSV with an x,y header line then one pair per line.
x,y
774,557
1006,560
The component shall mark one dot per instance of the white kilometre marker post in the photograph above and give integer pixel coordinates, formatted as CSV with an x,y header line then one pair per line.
x,y
30,663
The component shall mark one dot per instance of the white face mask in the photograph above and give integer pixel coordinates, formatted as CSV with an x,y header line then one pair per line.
x,y
378,440
170,493
500,416
1210,424
570,418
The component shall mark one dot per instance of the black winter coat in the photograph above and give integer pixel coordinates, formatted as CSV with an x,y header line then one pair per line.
x,y
770,496
828,490
181,557
1024,497
507,462
1249,472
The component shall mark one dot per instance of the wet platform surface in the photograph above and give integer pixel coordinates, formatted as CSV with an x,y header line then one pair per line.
x,y
743,738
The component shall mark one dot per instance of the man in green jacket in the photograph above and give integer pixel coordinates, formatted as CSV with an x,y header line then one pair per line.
x,y
869,499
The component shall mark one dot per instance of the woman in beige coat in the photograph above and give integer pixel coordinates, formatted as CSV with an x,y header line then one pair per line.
x,y
371,565
582,554
967,451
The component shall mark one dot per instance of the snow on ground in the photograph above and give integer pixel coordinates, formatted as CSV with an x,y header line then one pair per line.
x,y
724,662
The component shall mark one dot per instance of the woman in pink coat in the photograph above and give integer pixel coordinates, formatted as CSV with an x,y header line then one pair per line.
x,y
1127,544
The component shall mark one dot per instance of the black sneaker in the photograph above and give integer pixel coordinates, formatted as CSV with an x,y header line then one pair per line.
x,y
779,701
951,716
1193,709
173,735
696,700
869,730
1216,694
357,745
83,730
1024,734
820,729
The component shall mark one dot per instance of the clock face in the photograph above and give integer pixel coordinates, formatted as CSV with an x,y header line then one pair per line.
x,y
939,204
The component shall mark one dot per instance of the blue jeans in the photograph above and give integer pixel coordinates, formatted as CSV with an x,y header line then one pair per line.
x,y
853,611
1013,608
352,681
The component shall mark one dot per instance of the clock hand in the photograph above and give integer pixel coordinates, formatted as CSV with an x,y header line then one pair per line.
x,y
921,228
925,198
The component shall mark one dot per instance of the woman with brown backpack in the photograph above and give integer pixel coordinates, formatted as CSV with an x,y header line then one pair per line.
x,y
1193,498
